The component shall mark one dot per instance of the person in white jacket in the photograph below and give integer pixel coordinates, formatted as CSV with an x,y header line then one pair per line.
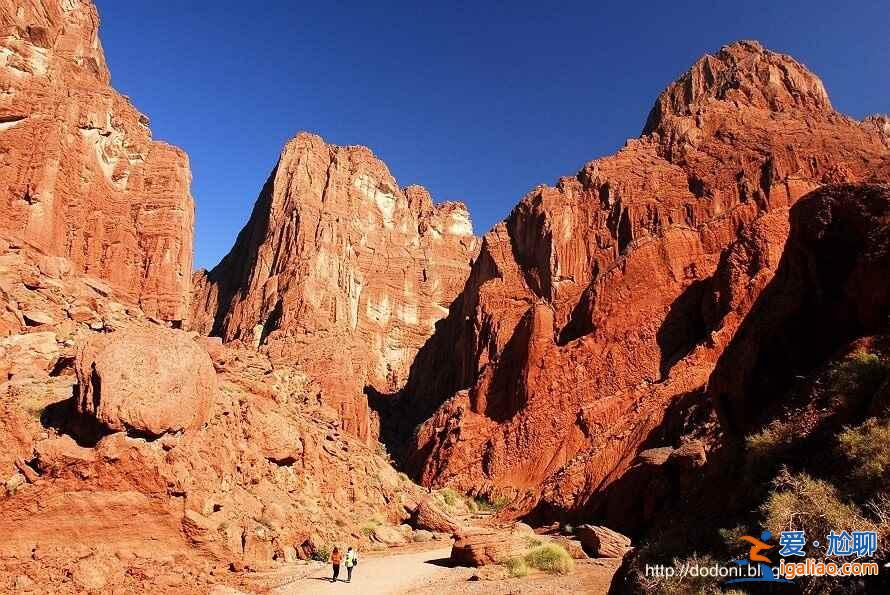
x,y
351,562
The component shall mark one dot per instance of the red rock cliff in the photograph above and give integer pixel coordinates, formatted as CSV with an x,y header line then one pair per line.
x,y
594,307
79,173
340,272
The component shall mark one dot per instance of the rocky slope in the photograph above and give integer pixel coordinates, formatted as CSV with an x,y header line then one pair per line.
x,y
339,271
79,173
601,305
191,459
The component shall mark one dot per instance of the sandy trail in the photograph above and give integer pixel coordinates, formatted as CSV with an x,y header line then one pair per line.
x,y
383,575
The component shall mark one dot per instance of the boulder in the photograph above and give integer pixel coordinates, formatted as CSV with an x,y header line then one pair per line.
x,y
654,456
61,455
602,542
478,546
145,380
30,355
689,456
37,317
429,516
387,535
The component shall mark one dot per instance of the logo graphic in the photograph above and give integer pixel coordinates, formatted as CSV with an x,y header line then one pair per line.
x,y
762,572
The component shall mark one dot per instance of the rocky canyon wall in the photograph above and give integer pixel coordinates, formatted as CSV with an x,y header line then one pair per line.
x,y
80,175
340,272
601,303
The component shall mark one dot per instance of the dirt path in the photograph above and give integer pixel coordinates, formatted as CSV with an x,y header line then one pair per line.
x,y
383,575
427,573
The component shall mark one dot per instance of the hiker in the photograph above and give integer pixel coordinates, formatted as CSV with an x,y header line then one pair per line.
x,y
335,562
351,562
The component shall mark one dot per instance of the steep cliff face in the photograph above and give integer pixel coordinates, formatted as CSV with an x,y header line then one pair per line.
x,y
79,174
340,272
594,308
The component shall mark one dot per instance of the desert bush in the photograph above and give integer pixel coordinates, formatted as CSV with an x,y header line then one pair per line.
x,y
321,553
679,584
368,526
516,566
856,377
487,504
449,496
532,541
867,447
550,558
769,441
800,502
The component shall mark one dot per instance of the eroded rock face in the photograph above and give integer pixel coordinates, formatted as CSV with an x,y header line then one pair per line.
x,y
600,303
79,173
148,381
340,272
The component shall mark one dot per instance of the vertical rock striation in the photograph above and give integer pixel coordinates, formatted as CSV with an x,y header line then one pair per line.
x,y
340,272
79,173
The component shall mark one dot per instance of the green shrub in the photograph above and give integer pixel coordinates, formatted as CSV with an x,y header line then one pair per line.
x,y
857,377
486,504
516,567
368,526
769,441
321,553
449,496
550,558
867,446
532,541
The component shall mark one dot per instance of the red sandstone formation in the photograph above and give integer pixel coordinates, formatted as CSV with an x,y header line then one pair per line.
x,y
600,303
119,470
339,272
79,174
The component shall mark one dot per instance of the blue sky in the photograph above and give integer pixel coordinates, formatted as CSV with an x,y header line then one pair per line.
x,y
476,101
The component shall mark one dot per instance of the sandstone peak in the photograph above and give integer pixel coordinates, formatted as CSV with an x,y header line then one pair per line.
x,y
602,302
341,270
744,73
